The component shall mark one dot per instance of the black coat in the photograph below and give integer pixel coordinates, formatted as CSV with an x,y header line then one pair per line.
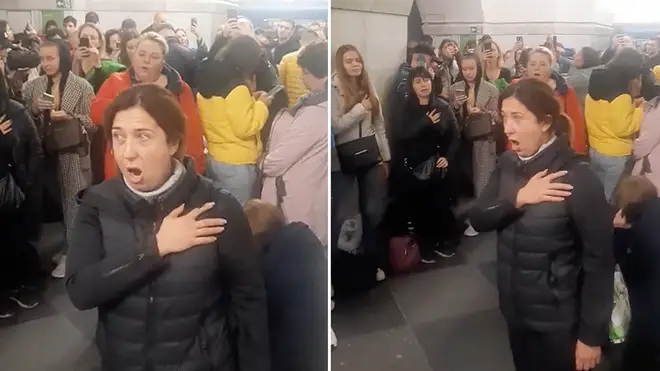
x,y
22,149
640,264
184,61
295,271
415,138
200,310
555,261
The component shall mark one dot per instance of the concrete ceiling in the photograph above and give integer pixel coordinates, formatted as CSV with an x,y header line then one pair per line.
x,y
398,7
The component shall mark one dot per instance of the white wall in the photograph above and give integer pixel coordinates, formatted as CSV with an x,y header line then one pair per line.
x,y
210,15
576,23
379,29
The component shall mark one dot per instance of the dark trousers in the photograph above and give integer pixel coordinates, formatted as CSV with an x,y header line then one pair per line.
x,y
543,351
428,207
19,260
372,202
641,356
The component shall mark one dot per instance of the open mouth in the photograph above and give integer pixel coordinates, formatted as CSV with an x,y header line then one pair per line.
x,y
134,174
514,144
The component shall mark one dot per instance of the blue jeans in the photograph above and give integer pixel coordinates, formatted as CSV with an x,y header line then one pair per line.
x,y
609,170
235,179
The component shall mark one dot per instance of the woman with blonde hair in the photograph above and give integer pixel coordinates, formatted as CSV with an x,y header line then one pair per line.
x,y
90,59
493,63
362,146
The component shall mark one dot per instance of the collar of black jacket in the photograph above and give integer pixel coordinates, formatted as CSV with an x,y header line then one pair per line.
x,y
552,158
113,196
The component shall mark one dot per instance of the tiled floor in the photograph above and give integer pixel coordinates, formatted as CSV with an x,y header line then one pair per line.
x,y
53,336
445,319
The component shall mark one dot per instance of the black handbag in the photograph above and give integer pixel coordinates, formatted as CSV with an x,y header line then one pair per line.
x,y
478,126
427,169
64,136
359,154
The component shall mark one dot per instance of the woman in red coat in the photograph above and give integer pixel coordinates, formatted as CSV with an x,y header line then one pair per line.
x,y
538,65
149,68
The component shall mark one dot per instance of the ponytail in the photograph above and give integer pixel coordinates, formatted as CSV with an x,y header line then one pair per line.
x,y
563,127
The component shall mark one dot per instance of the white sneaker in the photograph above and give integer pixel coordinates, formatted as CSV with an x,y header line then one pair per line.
x,y
470,232
60,270
333,338
380,275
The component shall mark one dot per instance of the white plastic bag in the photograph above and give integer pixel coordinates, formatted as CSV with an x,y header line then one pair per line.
x,y
350,235
620,321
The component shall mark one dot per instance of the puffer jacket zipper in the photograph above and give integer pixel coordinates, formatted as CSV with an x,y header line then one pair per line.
x,y
150,327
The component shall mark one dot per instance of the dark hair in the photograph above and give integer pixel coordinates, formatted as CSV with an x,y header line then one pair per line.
x,y
590,57
314,58
70,19
631,193
424,49
420,72
524,57
242,54
108,35
419,49
426,39
443,43
628,63
470,44
416,72
55,33
66,64
264,219
160,104
607,55
128,24
541,100
50,23
126,36
92,17
259,31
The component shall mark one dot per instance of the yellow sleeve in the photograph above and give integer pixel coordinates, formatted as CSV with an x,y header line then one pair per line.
x,y
247,116
281,68
626,119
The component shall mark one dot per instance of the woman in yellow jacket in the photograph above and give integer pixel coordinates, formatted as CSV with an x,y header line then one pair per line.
x,y
612,115
232,115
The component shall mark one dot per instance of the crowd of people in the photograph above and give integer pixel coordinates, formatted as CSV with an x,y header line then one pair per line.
x,y
554,150
191,183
